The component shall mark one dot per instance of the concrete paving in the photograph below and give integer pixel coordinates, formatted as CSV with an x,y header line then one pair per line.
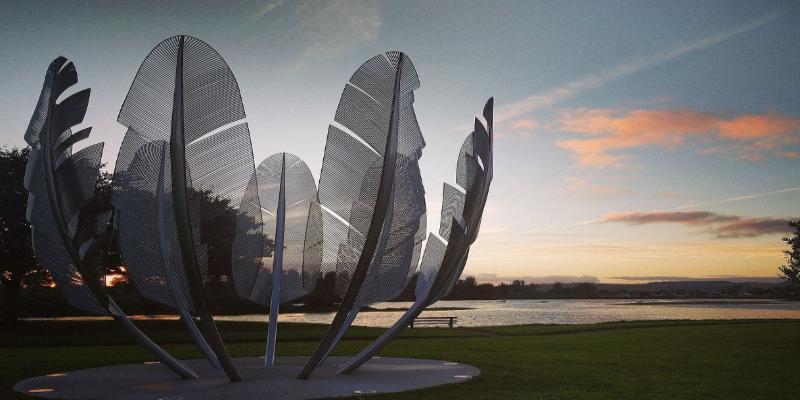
x,y
151,381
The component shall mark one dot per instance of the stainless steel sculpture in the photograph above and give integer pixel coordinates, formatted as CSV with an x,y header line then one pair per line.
x,y
143,205
187,146
60,184
285,264
185,175
379,140
462,211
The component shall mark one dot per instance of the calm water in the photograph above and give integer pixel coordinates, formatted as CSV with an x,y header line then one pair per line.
x,y
516,312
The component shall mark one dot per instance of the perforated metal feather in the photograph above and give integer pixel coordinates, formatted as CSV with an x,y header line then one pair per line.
x,y
185,105
396,259
218,161
252,248
60,184
430,264
474,172
302,231
352,171
452,206
462,210
148,241
370,184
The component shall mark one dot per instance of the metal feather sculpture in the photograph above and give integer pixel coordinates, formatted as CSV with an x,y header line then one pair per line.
x,y
370,191
60,184
188,152
278,247
462,211
138,192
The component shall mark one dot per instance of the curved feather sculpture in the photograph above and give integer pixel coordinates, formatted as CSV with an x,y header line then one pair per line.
x,y
462,211
283,196
139,192
188,148
60,184
370,188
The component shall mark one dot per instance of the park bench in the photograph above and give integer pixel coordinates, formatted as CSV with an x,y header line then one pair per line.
x,y
450,321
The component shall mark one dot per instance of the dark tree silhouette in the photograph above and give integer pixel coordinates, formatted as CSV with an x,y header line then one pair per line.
x,y
218,228
16,254
324,293
109,261
791,271
18,265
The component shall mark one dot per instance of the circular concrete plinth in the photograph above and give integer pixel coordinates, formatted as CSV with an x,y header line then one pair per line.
x,y
152,381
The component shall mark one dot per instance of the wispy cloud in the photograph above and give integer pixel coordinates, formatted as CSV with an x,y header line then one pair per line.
x,y
522,128
595,80
266,8
748,136
583,188
525,123
722,225
325,30
739,198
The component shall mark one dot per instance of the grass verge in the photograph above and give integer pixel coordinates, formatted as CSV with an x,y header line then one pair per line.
x,y
747,359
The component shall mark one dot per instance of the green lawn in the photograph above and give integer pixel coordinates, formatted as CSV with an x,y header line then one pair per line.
x,y
629,360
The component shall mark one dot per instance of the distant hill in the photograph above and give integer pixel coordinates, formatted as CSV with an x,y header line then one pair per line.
x,y
689,286
469,289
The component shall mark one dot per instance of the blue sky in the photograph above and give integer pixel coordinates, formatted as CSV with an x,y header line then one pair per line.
x,y
635,139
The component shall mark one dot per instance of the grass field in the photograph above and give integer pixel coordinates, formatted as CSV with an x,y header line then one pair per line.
x,y
627,360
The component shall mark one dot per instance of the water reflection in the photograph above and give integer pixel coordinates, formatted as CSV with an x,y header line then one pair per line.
x,y
517,312
520,312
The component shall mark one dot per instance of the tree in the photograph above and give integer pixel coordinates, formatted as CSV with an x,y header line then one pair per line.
x,y
109,260
470,282
791,271
15,232
18,266
324,293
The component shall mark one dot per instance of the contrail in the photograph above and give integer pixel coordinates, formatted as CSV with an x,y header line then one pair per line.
x,y
597,79
737,198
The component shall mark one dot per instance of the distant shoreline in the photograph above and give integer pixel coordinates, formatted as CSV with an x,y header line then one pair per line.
x,y
717,302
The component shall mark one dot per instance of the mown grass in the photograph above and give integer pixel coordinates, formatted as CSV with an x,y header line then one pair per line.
x,y
627,360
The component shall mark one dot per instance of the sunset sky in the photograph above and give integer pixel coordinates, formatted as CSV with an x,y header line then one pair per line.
x,y
635,141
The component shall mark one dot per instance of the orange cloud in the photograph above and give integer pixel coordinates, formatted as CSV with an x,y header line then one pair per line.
x,y
525,123
747,136
789,155
522,128
749,127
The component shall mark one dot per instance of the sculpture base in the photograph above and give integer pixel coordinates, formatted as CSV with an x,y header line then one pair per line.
x,y
153,381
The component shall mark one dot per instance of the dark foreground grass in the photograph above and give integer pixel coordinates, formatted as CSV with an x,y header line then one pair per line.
x,y
628,360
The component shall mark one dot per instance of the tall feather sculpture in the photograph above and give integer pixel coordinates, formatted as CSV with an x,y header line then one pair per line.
x,y
462,211
188,153
138,191
282,196
370,191
60,184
